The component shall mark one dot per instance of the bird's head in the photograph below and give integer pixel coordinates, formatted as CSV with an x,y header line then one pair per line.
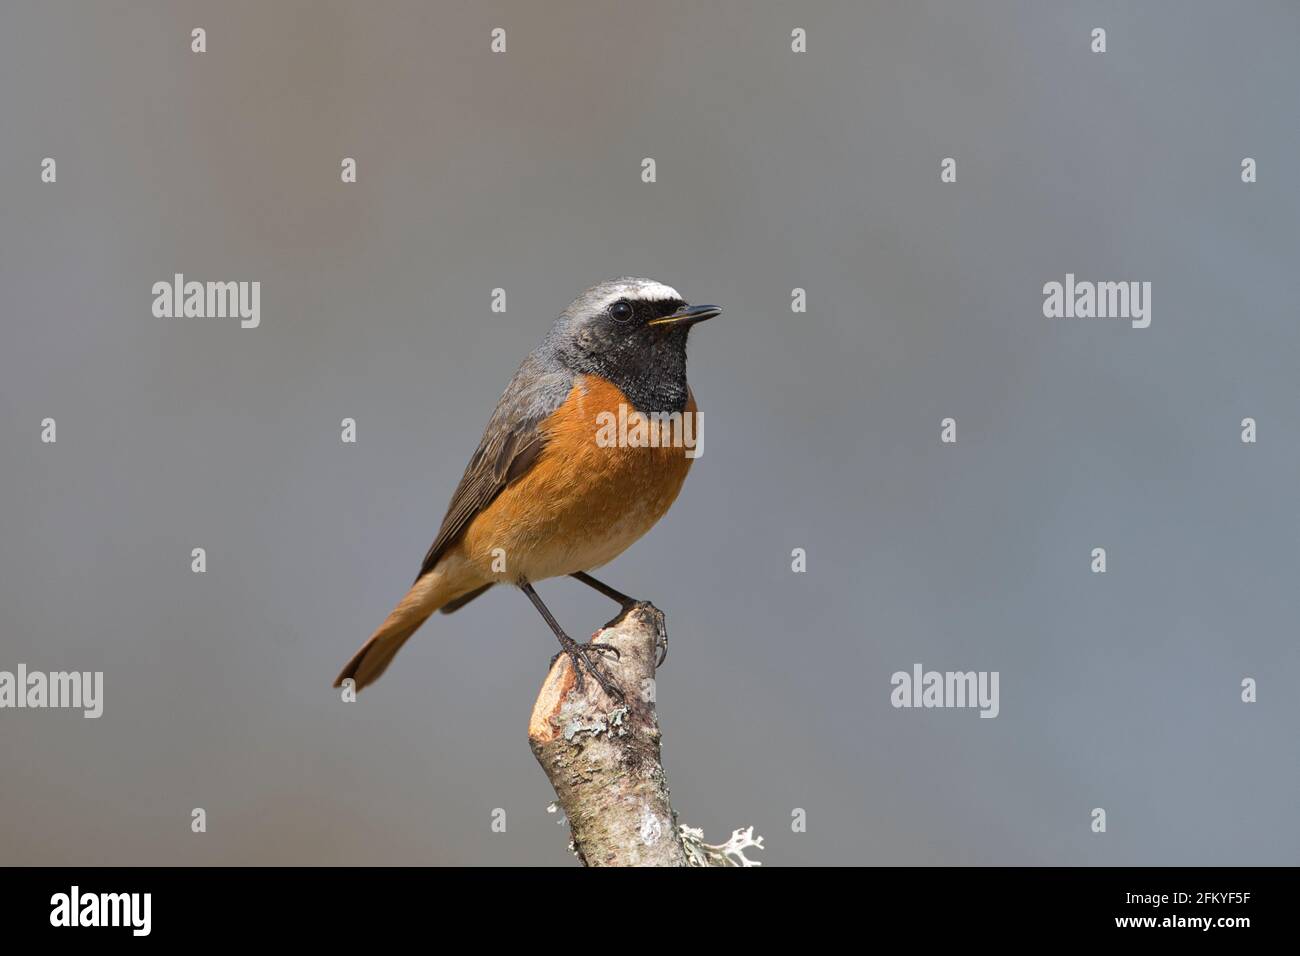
x,y
633,332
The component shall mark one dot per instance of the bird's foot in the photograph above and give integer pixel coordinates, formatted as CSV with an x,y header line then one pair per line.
x,y
583,656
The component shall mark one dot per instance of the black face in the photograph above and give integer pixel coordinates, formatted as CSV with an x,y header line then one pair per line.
x,y
638,313
647,362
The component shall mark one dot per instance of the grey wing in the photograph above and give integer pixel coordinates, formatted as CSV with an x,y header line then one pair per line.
x,y
511,443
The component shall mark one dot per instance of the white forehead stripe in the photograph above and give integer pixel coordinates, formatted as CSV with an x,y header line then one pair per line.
x,y
654,291
644,290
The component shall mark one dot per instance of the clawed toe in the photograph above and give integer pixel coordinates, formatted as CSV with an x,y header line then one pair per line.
x,y
579,654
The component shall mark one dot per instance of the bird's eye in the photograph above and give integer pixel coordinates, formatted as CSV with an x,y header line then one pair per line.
x,y
621,310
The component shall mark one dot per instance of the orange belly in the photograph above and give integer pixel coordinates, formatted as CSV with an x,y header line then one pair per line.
x,y
581,505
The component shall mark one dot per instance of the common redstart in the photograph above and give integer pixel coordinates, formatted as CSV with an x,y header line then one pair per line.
x,y
586,450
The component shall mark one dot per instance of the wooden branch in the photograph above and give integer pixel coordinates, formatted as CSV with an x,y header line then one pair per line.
x,y
603,757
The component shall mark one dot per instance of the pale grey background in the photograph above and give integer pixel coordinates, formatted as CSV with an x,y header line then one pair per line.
x,y
775,170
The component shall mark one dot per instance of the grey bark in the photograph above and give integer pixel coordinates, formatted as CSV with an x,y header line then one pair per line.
x,y
603,756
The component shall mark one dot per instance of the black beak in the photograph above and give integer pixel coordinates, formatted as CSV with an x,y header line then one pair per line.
x,y
688,315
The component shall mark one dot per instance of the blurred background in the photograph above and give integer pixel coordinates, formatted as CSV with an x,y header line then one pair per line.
x,y
775,170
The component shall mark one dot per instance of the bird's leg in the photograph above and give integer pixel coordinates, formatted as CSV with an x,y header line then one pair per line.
x,y
579,654
604,589
622,599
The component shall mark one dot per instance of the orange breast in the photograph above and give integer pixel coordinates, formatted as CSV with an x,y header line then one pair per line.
x,y
599,484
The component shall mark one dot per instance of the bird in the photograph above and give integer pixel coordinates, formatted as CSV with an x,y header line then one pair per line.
x,y
557,488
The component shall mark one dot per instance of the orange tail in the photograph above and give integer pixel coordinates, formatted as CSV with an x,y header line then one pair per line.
x,y
425,597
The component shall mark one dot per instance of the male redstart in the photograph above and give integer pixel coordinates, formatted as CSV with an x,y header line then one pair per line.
x,y
553,488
